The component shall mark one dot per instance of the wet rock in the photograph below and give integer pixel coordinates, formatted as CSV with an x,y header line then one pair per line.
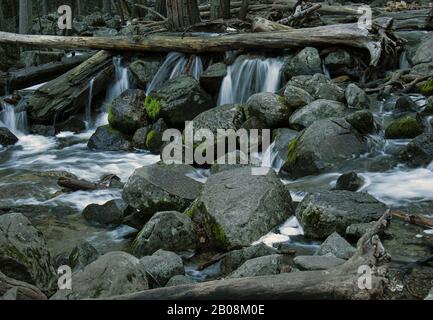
x,y
350,182
113,274
261,266
211,79
139,138
268,107
23,252
319,87
33,58
172,231
225,117
232,160
319,109
357,230
356,97
282,137
309,263
7,138
179,280
419,152
428,110
161,187
162,266
338,62
127,113
108,139
406,104
180,100
362,121
306,62
82,255
236,207
15,290
323,147
234,259
110,213
337,246
73,124
320,214
41,130
403,128
105,32
144,70
296,97
424,53
154,141
95,20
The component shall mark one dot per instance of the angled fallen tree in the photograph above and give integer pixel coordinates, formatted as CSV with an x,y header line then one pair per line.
x,y
377,41
342,282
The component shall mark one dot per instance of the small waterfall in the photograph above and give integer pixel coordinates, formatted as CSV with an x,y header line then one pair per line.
x,y
13,117
271,159
404,62
88,112
175,65
248,76
429,124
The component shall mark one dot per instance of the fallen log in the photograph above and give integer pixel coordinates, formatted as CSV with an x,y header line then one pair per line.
x,y
349,35
415,219
301,14
77,185
27,77
343,282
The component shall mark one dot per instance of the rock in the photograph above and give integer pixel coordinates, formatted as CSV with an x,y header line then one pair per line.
x,y
403,128
179,280
296,97
268,107
428,110
323,147
282,138
105,32
337,246
350,182
7,138
110,213
236,208
424,53
108,139
306,62
406,104
82,255
41,130
234,259
211,79
95,20
356,97
357,230
144,70
161,187
180,100
319,87
113,274
419,152
430,295
338,62
127,113
139,138
34,58
362,121
261,266
427,87
162,266
316,110
154,141
23,252
15,290
309,263
171,231
320,214
73,124
232,160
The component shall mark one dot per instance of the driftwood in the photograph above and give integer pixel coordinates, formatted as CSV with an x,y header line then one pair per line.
x,y
77,185
350,35
415,219
342,282
28,77
301,14
11,289
263,25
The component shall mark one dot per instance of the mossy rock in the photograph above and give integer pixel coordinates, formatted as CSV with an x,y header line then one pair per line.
x,y
153,107
427,88
404,128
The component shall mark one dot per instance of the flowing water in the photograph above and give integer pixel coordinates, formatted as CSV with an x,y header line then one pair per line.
x,y
88,112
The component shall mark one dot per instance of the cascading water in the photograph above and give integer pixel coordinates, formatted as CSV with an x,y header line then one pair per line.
x,y
174,65
13,117
88,112
248,76
271,159
404,62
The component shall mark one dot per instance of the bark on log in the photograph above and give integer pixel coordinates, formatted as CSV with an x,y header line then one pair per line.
x,y
18,290
339,283
77,185
349,35
415,219
68,94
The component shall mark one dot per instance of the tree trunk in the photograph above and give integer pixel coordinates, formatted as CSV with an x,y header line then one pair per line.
x,y
181,14
26,16
244,9
2,18
161,7
220,9
106,6
44,7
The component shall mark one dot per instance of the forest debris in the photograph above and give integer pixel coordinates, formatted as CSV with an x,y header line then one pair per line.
x,y
302,12
415,219
263,25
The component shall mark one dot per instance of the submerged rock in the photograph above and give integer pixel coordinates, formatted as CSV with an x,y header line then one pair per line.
x,y
404,128
236,208
7,138
211,79
419,152
337,246
261,266
406,104
362,121
110,213
144,70
323,213
113,274
309,263
108,139
162,266
350,182
268,107
73,124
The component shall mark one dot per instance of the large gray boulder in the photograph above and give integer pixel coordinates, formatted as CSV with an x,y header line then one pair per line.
x,y
108,139
236,208
7,138
127,113
179,280
161,187
23,252
319,87
110,213
268,107
296,97
180,100
113,274
310,263
337,246
323,213
319,109
143,70
419,152
261,266
324,146
356,97
162,266
82,255
424,53
170,230
306,62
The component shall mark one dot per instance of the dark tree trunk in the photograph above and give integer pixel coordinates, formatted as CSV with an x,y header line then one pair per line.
x,y
244,9
25,16
219,9
161,7
106,6
182,13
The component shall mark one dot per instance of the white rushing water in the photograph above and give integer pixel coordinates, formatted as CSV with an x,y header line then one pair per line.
x,y
175,65
249,75
88,112
13,117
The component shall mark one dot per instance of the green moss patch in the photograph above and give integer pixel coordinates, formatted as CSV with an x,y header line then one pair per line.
x,y
427,88
404,128
153,107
